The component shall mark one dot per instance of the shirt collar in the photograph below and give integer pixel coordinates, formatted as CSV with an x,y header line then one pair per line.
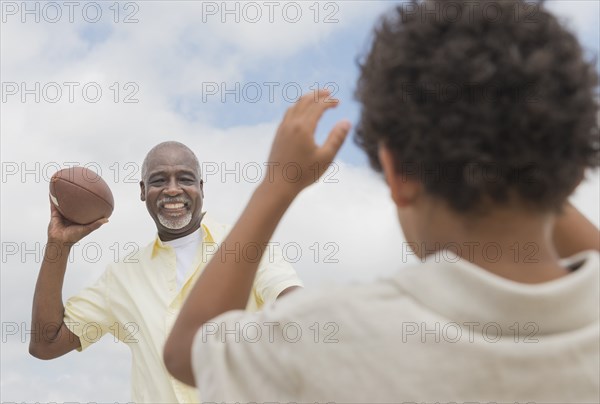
x,y
463,292
159,245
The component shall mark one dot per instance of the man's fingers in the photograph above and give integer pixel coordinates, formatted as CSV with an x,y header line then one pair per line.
x,y
95,225
53,210
335,140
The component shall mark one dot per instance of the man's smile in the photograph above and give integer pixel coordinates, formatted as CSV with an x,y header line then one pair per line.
x,y
173,208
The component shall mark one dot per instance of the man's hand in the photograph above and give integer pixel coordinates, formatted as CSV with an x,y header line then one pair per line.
x,y
296,161
64,232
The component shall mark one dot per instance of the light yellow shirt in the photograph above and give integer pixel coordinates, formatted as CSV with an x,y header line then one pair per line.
x,y
137,301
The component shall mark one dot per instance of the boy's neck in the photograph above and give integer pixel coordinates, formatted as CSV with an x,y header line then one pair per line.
x,y
515,245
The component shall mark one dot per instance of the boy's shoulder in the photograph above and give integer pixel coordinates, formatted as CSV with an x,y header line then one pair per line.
x,y
447,288
331,301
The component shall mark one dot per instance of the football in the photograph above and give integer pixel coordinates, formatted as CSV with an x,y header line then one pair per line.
x,y
81,195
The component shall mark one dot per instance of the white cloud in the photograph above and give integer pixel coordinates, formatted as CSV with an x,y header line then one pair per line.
x,y
578,14
169,53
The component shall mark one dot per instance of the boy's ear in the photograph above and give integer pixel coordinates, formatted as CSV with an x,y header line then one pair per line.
x,y
404,190
142,191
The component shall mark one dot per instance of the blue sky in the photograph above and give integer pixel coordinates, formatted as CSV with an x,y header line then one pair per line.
x,y
330,60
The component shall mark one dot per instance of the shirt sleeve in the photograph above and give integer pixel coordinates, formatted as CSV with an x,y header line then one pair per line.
x,y
276,355
274,275
88,313
240,357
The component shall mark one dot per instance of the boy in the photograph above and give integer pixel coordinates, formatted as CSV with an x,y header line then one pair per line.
x,y
483,127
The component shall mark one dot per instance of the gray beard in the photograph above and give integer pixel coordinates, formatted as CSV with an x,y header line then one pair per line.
x,y
175,223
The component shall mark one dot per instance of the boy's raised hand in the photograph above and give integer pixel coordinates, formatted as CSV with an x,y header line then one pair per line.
x,y
296,161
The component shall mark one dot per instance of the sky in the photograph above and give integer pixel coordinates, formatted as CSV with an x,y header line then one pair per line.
x,y
98,84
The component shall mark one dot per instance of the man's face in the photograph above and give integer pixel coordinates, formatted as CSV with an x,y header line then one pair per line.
x,y
173,192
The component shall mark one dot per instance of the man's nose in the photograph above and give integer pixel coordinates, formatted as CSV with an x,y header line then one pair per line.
x,y
173,188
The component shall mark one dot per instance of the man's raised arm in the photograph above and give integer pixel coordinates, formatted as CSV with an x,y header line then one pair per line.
x,y
50,336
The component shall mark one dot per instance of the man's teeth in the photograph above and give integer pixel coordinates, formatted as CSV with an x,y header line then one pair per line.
x,y
174,205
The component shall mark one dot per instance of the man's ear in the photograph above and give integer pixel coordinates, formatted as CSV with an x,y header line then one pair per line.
x,y
142,191
202,187
404,190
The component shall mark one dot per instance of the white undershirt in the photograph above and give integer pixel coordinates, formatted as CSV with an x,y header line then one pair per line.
x,y
185,251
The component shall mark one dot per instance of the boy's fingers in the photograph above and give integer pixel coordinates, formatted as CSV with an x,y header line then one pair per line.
x,y
335,140
314,97
315,110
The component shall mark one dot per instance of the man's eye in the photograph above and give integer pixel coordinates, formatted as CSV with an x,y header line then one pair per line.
x,y
187,180
157,181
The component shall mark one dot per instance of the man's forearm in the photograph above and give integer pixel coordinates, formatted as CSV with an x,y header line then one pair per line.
x,y
48,309
50,337
574,233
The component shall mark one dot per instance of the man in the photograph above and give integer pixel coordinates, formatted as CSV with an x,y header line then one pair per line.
x,y
137,300
512,323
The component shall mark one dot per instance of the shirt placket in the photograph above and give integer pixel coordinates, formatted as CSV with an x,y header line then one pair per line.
x,y
169,268
176,297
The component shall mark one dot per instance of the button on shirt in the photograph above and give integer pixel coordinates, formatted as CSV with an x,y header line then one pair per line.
x,y
138,300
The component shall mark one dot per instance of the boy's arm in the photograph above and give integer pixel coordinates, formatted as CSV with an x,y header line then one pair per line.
x,y
225,283
574,233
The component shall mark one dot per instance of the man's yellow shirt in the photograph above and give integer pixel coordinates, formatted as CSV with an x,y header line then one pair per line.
x,y
137,301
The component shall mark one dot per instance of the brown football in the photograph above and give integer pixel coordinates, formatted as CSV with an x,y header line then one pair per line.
x,y
81,195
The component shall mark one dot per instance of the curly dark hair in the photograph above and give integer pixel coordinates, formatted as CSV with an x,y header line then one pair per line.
x,y
483,108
